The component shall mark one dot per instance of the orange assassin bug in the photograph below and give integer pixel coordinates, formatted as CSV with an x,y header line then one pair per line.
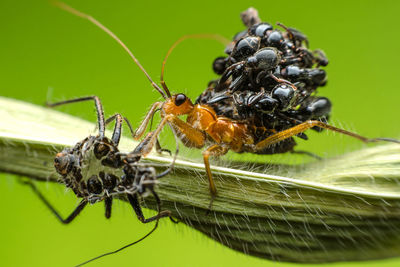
x,y
203,126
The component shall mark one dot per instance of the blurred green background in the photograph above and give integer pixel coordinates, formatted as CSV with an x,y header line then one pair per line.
x,y
42,47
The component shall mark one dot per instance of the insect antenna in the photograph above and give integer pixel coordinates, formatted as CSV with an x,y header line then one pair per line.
x,y
110,33
217,37
128,245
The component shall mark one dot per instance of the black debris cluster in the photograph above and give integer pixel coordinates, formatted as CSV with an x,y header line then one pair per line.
x,y
269,78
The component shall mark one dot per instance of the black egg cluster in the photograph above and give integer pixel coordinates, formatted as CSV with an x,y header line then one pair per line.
x,y
269,76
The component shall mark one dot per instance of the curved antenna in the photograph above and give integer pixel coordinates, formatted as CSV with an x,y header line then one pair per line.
x,y
75,12
126,246
217,37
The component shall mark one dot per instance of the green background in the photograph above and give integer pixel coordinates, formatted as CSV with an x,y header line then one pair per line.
x,y
42,47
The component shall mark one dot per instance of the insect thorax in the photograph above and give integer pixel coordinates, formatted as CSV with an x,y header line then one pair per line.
x,y
94,169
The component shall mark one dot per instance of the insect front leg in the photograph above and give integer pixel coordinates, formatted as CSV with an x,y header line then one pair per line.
x,y
147,144
190,136
70,218
142,127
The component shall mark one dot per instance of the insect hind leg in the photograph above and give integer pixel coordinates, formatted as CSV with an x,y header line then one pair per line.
x,y
73,214
280,136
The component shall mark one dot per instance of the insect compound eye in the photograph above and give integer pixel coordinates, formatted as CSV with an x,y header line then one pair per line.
x,y
180,99
101,150
63,163
94,185
284,94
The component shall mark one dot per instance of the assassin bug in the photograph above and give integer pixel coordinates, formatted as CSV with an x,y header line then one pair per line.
x,y
204,127
95,170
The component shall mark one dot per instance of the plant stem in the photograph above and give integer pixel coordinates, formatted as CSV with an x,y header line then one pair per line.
x,y
338,209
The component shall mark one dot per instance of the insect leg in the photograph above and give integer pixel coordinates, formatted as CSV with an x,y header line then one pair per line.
x,y
171,166
303,152
275,138
116,136
280,80
133,200
133,243
99,109
214,150
190,137
290,33
235,84
142,127
108,205
158,201
228,72
117,129
159,149
70,218
149,141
